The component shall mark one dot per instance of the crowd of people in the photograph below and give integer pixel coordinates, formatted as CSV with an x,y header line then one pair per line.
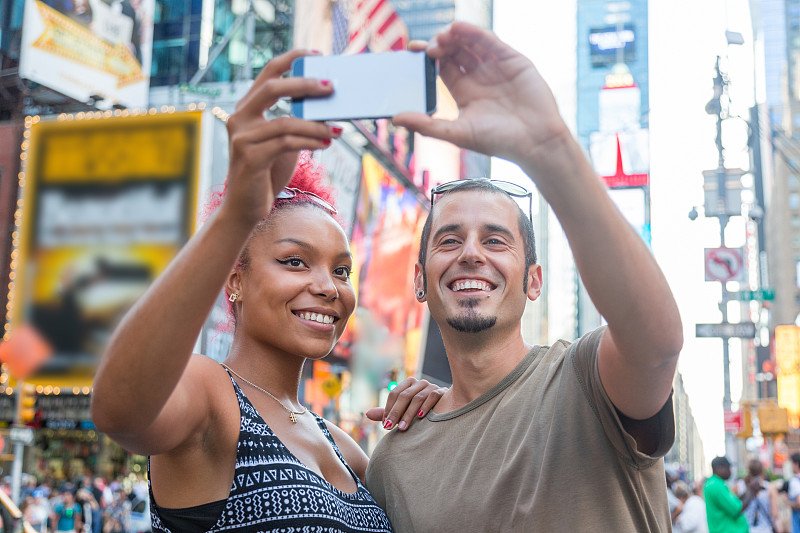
x,y
756,502
88,504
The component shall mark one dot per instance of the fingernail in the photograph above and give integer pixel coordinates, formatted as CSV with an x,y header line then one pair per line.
x,y
402,425
337,130
420,413
387,424
325,83
326,142
315,52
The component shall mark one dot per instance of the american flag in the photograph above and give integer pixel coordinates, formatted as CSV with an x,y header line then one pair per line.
x,y
369,25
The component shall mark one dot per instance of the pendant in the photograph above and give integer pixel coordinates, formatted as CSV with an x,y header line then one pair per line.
x,y
292,417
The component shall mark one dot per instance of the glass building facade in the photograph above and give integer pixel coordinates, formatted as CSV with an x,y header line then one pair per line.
x,y
425,17
187,33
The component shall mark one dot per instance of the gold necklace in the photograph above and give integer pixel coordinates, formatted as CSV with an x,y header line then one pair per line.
x,y
292,413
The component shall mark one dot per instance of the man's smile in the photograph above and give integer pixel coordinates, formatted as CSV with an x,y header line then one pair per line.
x,y
471,285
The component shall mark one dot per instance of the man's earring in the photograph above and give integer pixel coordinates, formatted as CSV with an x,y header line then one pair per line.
x,y
420,294
233,297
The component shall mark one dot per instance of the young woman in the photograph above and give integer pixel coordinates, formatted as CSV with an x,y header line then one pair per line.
x,y
762,512
231,448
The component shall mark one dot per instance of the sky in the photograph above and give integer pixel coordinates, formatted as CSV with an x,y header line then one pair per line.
x,y
685,37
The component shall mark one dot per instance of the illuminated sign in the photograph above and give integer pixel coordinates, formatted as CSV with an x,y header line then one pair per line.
x,y
106,204
612,44
787,355
619,81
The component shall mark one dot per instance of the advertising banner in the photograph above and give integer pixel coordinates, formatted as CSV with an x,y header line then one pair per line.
x,y
787,355
385,246
99,49
106,204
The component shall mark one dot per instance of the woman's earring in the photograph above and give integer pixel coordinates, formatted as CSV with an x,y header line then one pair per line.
x,y
233,297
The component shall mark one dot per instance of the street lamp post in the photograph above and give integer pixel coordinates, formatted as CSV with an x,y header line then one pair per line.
x,y
719,207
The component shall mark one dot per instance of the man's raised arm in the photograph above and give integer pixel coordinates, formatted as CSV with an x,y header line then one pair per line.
x,y
507,110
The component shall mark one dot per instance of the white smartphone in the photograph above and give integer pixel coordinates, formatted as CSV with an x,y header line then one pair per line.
x,y
367,86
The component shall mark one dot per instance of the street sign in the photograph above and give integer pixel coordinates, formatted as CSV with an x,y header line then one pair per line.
x,y
197,89
756,294
733,421
21,435
332,386
724,264
727,202
742,330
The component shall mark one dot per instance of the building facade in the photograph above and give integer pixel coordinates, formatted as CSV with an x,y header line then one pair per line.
x,y
776,28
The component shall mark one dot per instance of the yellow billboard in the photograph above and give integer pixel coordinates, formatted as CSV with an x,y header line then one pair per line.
x,y
787,354
105,204
90,49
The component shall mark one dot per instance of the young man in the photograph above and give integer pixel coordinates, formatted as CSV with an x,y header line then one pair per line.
x,y
66,516
562,438
723,508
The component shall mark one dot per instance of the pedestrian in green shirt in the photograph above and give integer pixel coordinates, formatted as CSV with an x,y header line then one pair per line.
x,y
723,508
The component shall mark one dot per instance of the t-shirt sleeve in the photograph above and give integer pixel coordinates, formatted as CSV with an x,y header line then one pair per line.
x,y
582,355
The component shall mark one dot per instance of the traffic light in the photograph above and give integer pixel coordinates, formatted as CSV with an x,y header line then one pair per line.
x,y
392,380
747,423
773,420
27,404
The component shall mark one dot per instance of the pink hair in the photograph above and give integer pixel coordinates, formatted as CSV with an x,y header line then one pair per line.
x,y
307,177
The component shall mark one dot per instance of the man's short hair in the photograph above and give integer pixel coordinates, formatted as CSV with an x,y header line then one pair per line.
x,y
796,458
523,220
718,462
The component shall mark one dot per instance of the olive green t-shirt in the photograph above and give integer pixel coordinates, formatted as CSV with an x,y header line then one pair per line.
x,y
543,450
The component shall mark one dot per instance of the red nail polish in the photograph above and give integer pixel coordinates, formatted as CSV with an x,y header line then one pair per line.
x,y
387,424
326,142
337,130
325,83
315,52
420,413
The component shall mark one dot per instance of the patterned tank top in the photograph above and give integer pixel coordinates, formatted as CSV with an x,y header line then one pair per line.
x,y
274,492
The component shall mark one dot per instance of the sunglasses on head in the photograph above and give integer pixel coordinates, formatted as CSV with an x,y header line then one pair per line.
x,y
291,192
511,189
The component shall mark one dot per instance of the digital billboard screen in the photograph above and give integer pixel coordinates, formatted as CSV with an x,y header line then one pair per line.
x,y
612,44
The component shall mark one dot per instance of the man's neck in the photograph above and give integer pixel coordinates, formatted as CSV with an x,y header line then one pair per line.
x,y
478,364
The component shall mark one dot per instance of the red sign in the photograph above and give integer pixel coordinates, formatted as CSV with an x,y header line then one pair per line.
x,y
620,178
725,264
733,421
